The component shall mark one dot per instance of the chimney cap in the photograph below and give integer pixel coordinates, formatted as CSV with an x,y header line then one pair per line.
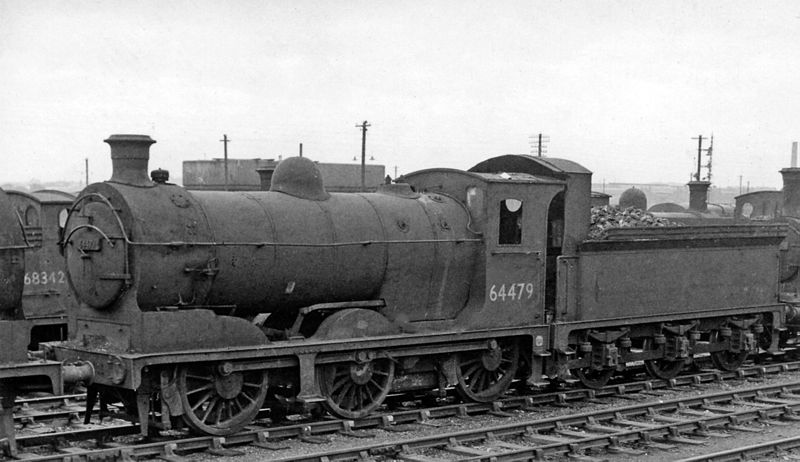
x,y
129,138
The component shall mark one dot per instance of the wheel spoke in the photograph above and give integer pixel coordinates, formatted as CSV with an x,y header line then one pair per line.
x,y
235,402
359,397
211,405
350,397
340,383
203,400
472,370
248,398
473,379
207,386
218,413
486,380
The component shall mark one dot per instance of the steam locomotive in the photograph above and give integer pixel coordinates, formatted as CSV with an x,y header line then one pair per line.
x,y
46,297
34,296
215,302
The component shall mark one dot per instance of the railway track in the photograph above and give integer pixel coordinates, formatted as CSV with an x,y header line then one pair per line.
x,y
627,430
275,437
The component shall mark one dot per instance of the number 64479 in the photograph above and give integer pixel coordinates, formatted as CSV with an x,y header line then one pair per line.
x,y
510,292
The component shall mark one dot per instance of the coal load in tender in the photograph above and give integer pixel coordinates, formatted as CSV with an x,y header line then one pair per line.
x,y
607,217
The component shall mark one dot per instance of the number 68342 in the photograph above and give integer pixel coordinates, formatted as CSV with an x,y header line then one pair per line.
x,y
43,277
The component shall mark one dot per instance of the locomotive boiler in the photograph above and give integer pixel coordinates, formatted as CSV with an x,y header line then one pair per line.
x,y
264,253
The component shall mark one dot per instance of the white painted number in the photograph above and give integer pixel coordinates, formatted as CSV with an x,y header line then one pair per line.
x,y
515,291
41,278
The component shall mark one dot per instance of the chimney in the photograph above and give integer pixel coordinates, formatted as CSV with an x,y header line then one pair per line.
x,y
791,192
129,156
698,195
266,176
791,187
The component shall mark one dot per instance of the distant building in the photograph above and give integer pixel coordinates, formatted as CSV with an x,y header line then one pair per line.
x,y
600,199
759,204
242,175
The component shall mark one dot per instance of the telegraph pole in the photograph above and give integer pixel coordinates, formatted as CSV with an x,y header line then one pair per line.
x,y
699,155
225,142
709,153
537,144
86,165
363,128
700,150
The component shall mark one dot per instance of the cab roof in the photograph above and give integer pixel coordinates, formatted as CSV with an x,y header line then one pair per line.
x,y
546,166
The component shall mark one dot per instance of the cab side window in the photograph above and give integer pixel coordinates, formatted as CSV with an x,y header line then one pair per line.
x,y
510,222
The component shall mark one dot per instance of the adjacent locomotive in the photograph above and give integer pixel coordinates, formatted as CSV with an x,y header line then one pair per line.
x,y
216,301
46,297
15,367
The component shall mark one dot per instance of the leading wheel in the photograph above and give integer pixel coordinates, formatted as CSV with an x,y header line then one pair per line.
x,y
353,390
726,360
484,376
661,368
217,400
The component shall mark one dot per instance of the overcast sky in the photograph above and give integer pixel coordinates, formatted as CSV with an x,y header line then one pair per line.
x,y
621,87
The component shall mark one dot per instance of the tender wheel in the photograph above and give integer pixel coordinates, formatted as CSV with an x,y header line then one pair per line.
x,y
661,368
484,376
593,378
726,360
219,401
354,390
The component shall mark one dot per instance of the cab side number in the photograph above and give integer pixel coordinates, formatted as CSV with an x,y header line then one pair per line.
x,y
40,278
511,292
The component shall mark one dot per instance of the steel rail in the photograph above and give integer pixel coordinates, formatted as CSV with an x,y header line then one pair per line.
x,y
745,452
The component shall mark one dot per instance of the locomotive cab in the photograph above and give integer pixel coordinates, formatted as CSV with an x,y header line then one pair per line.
x,y
515,213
